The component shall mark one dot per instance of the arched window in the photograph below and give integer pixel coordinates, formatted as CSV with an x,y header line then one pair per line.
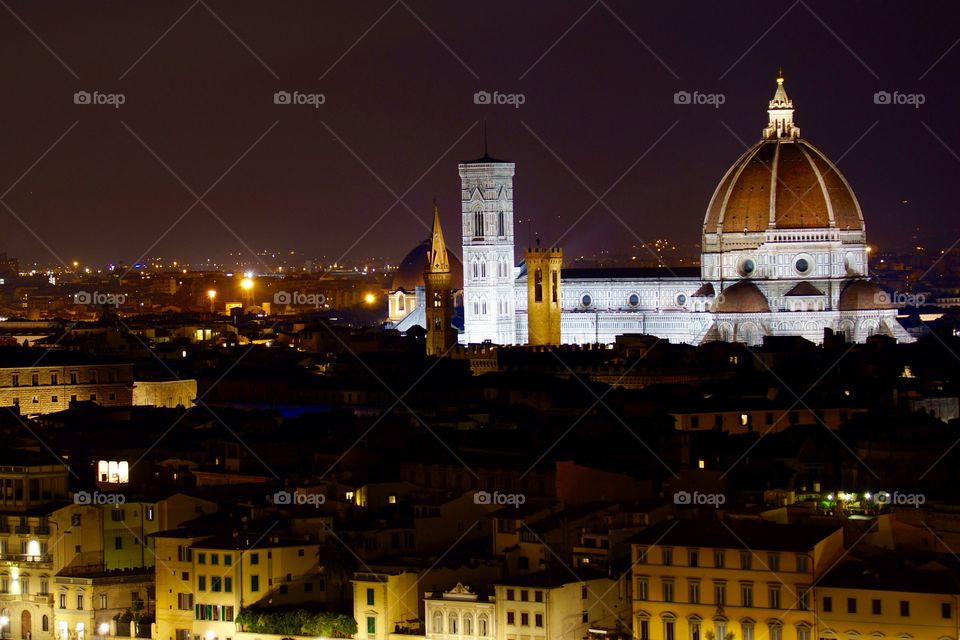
x,y
500,226
483,268
452,623
482,626
45,623
538,286
478,224
554,285
437,622
468,624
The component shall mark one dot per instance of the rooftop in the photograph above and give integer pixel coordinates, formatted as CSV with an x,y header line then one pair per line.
x,y
742,536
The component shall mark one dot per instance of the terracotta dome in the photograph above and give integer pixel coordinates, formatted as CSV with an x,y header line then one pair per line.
x,y
860,295
742,297
782,182
409,275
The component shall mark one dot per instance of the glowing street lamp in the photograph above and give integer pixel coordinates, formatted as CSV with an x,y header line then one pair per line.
x,y
369,298
212,294
247,285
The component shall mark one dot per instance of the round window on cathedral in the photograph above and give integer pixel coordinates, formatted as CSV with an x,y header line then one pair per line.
x,y
747,267
633,299
681,299
802,265
586,300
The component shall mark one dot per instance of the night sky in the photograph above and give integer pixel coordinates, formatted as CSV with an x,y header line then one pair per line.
x,y
399,80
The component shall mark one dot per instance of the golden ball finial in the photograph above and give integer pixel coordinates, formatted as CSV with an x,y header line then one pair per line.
x,y
780,75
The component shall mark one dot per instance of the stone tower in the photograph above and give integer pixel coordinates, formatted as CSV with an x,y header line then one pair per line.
x,y
488,277
543,295
438,299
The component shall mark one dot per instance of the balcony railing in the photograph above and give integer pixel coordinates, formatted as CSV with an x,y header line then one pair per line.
x,y
38,598
23,557
23,529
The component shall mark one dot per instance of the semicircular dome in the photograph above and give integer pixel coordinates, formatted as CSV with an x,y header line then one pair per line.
x,y
742,297
409,274
860,295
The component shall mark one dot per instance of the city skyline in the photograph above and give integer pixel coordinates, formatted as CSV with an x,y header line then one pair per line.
x,y
197,154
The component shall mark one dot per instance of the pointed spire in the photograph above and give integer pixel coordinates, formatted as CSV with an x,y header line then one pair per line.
x,y
437,259
780,114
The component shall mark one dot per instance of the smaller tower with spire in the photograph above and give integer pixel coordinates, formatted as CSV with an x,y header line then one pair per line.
x,y
441,335
780,113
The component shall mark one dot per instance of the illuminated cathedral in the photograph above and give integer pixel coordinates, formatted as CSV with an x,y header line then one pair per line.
x,y
783,254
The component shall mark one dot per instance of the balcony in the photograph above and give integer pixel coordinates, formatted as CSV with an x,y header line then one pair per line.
x,y
25,558
36,598
23,529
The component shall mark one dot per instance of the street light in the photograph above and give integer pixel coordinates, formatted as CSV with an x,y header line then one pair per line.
x,y
212,294
247,285
369,298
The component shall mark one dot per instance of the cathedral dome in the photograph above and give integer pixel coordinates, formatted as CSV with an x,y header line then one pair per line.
x,y
861,295
782,182
409,275
742,297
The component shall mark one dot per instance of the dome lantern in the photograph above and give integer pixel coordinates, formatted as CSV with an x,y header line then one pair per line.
x,y
780,113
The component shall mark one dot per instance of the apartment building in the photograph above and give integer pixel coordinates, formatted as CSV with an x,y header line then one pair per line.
x,y
31,486
885,596
204,580
718,580
38,382
559,604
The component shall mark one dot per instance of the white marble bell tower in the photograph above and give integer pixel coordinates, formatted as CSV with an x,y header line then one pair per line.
x,y
486,193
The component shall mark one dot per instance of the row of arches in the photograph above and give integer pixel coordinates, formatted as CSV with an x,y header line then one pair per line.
x,y
462,623
752,332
